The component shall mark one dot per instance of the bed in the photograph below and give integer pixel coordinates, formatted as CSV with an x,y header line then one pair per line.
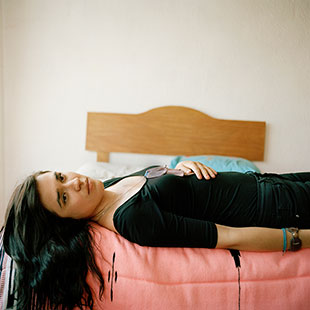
x,y
183,278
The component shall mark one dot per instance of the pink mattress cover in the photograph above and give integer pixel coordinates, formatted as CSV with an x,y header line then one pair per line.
x,y
194,278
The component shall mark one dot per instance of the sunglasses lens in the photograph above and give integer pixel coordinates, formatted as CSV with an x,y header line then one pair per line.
x,y
155,172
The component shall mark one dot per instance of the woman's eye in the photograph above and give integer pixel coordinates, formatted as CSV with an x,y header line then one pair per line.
x,y
64,197
61,177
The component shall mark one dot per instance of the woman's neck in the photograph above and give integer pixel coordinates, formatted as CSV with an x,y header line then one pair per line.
x,y
116,195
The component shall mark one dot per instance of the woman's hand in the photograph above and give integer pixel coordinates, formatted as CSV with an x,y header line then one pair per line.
x,y
201,171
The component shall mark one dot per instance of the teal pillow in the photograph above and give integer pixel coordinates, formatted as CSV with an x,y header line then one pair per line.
x,y
219,163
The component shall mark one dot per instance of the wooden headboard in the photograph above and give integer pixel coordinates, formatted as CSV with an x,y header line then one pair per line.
x,y
173,130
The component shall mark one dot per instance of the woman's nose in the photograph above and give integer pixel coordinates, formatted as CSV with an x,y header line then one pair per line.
x,y
75,184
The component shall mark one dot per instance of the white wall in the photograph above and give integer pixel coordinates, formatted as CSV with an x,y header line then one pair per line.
x,y
245,60
2,201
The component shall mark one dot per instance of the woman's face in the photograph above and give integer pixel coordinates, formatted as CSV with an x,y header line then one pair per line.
x,y
70,194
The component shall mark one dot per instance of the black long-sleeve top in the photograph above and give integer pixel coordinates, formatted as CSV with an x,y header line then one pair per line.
x,y
181,211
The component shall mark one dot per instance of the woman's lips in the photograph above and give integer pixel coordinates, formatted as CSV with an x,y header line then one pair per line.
x,y
89,185
88,189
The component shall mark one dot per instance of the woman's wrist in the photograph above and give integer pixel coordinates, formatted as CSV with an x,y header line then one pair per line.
x,y
304,235
259,238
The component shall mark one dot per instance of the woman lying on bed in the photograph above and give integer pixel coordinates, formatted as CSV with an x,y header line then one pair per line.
x,y
48,224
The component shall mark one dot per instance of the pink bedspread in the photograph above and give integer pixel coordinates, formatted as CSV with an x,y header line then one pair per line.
x,y
183,278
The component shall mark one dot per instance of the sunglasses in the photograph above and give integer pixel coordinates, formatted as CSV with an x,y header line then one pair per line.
x,y
159,171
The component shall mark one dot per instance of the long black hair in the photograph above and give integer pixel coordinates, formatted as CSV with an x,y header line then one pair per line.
x,y
53,255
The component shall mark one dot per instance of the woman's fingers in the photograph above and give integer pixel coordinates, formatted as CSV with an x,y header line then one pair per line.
x,y
208,172
200,170
205,171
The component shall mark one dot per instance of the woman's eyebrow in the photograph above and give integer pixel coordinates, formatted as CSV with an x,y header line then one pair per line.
x,y
58,195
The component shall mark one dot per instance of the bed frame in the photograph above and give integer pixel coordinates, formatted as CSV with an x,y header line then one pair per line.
x,y
173,130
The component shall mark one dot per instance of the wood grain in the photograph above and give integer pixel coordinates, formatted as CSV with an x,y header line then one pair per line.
x,y
173,130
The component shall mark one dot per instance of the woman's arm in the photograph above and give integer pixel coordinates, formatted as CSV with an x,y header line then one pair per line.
x,y
257,238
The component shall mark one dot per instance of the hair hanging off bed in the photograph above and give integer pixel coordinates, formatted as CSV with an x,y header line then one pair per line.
x,y
53,255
